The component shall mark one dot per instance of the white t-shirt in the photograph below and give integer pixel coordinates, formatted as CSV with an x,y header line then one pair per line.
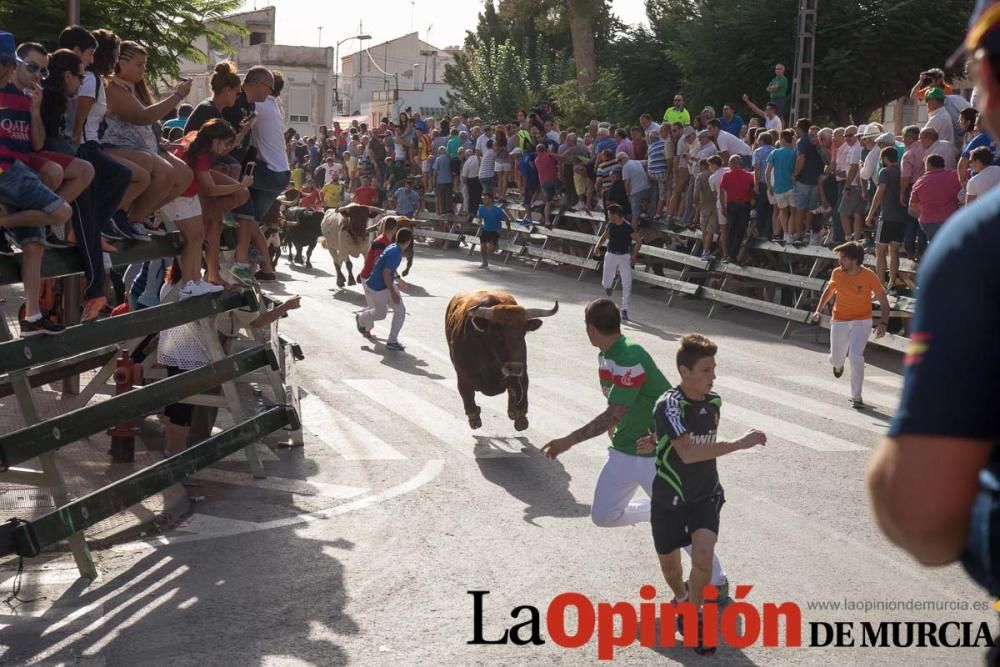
x,y
634,172
870,166
773,123
945,149
941,121
730,143
470,168
853,158
552,135
481,143
714,181
269,135
983,182
97,112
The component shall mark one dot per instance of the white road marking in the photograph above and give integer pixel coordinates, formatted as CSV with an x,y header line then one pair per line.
x,y
888,402
894,381
204,527
793,433
443,425
343,435
836,415
295,486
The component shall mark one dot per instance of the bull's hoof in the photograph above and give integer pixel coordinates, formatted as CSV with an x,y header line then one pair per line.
x,y
521,423
309,264
340,282
351,281
475,422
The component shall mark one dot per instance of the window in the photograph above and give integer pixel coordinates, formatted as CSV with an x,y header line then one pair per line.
x,y
298,119
257,38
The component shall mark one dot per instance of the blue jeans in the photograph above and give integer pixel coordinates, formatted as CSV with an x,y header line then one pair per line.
x,y
22,190
764,211
267,185
931,230
635,202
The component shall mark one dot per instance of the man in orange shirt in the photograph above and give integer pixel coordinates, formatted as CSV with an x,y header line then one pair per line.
x,y
853,285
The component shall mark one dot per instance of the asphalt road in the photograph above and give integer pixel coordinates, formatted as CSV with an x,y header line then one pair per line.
x,y
362,546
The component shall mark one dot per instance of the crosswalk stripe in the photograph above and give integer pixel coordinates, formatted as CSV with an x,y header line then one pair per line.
x,y
295,486
441,424
343,435
793,433
842,388
836,415
888,380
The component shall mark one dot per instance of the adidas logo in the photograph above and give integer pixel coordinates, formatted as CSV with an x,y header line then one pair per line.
x,y
703,412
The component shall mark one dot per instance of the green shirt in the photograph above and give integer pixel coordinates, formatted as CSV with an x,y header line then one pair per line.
x,y
629,376
782,83
454,143
672,115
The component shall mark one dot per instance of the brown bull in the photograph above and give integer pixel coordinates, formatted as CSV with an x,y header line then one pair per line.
x,y
485,331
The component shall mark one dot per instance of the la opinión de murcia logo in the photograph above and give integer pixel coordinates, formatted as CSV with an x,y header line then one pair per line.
x,y
738,624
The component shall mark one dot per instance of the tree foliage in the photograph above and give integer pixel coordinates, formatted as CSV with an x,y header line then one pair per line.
x,y
167,29
867,54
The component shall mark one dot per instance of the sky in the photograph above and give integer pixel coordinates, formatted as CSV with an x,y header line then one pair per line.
x,y
440,24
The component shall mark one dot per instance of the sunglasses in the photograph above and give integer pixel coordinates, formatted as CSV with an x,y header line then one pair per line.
x,y
35,68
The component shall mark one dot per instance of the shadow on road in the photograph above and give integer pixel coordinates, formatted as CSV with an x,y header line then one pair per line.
x,y
539,483
348,295
401,361
163,607
415,291
683,655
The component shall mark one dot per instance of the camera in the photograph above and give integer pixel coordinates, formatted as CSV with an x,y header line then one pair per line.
x,y
926,80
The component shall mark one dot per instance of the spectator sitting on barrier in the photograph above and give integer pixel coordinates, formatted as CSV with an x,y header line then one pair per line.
x,y
215,138
30,203
131,133
985,175
935,195
102,196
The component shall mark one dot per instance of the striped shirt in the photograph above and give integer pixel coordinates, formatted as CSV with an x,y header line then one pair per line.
x,y
487,164
657,159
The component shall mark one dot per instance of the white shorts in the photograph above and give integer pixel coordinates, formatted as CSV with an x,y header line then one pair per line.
x,y
784,199
501,166
182,208
425,166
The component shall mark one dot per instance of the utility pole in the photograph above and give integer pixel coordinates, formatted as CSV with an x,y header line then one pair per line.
x,y
72,12
805,59
319,40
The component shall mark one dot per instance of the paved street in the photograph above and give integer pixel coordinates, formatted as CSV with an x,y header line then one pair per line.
x,y
360,547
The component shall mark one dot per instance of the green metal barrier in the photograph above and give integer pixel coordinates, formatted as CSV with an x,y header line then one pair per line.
x,y
31,441
29,538
25,352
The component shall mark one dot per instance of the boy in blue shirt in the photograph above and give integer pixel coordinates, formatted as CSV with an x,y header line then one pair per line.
x,y
492,217
382,293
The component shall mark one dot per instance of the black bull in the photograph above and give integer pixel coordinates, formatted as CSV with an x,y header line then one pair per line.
x,y
485,331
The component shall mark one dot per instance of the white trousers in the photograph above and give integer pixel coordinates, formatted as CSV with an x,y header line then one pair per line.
x,y
847,341
618,264
613,504
379,304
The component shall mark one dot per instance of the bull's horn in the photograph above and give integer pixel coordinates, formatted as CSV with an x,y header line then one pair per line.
x,y
541,312
485,312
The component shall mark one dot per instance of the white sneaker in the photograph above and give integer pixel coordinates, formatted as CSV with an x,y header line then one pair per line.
x,y
193,288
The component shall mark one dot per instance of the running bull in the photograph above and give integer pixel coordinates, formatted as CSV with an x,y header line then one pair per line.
x,y
345,235
485,331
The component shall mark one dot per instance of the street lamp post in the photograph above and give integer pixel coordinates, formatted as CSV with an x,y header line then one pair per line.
x,y
336,67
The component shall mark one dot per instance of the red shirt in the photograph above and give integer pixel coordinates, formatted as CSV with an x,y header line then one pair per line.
x,y
548,170
378,245
201,165
365,195
738,185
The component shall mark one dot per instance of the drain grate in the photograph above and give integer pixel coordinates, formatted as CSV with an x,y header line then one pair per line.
x,y
24,499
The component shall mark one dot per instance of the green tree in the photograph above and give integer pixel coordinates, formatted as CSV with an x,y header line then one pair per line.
x,y
167,29
867,54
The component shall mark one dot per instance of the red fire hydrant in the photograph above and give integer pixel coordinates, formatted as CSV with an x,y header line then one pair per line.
x,y
128,374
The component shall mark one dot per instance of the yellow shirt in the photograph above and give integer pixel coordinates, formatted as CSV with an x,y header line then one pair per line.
x,y
331,194
854,294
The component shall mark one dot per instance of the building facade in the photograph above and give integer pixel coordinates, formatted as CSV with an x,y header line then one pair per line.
x,y
383,79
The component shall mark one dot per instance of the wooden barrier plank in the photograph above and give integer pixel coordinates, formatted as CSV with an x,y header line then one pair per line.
x,y
670,283
740,301
567,234
563,258
28,442
66,261
674,256
28,538
61,369
435,234
771,276
24,352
